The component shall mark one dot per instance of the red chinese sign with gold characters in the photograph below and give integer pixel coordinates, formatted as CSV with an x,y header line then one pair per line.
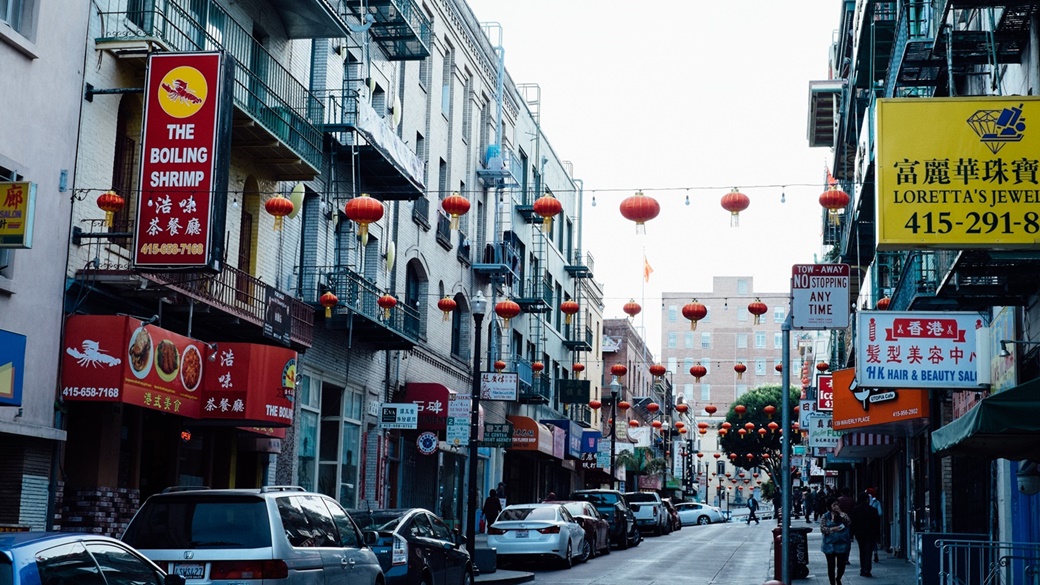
x,y
109,358
251,384
178,160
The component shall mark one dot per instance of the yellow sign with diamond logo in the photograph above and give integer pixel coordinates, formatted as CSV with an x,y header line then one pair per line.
x,y
958,173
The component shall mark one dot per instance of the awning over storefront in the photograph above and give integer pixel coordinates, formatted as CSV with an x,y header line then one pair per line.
x,y
864,446
530,435
433,404
249,383
1005,425
572,436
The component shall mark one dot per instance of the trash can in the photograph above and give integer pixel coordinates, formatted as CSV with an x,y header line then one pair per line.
x,y
798,552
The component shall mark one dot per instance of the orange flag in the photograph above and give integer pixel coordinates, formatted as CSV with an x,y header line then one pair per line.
x,y
646,269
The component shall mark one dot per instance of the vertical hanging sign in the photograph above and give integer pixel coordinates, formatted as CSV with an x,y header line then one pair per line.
x,y
183,162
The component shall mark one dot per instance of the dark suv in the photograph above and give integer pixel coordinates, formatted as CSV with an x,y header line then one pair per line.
x,y
612,506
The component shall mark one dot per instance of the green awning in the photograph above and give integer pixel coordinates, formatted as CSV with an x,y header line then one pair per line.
x,y
1005,425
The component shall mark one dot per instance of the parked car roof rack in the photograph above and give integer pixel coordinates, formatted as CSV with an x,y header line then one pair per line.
x,y
281,488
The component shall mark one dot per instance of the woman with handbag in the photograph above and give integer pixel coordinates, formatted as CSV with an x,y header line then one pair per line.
x,y
835,526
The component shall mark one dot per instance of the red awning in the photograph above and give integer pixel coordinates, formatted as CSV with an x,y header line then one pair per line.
x,y
530,435
250,384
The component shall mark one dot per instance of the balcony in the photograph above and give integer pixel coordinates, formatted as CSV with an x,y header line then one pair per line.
x,y
579,338
421,212
581,414
535,296
399,27
501,168
444,230
231,304
580,266
358,309
386,165
539,392
499,261
275,120
1005,43
874,30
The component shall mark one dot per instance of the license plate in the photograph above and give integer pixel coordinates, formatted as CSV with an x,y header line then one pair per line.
x,y
189,570
521,534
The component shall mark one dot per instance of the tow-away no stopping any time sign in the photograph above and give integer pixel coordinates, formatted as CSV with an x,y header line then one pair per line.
x,y
820,296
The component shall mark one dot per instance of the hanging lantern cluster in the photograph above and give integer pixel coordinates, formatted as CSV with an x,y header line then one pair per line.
x,y
455,206
569,309
632,308
364,210
547,207
279,207
507,309
640,209
757,308
111,203
386,302
694,311
734,202
447,305
328,300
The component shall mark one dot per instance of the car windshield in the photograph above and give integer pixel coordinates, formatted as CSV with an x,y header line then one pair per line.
x,y
528,514
200,522
598,499
382,521
638,497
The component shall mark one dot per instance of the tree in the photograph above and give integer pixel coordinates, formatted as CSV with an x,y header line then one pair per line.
x,y
753,443
641,461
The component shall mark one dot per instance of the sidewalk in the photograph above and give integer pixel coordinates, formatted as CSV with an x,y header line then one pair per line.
x,y
499,576
890,571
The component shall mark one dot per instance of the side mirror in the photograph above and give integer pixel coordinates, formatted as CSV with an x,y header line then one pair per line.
x,y
460,539
370,537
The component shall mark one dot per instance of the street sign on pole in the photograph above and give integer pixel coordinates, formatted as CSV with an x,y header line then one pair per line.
x,y
820,296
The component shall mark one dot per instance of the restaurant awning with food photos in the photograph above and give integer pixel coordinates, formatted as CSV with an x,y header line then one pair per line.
x,y
118,358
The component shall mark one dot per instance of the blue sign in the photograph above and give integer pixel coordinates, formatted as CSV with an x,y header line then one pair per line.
x,y
574,436
12,368
590,441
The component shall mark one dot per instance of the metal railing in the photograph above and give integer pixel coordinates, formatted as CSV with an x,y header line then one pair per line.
x,y
975,562
263,87
444,230
357,295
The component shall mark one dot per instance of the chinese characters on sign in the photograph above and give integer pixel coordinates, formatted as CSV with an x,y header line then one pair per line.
x,y
824,393
399,416
17,207
498,386
457,433
917,349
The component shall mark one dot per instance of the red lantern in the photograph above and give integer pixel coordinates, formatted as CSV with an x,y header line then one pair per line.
x,y
698,371
740,369
765,456
834,200
618,370
548,207
750,426
757,308
773,426
740,409
694,311
328,300
762,433
725,424
731,456
632,308
447,305
633,423
779,367
717,455
455,205
569,308
656,424
578,367
499,365
722,432
741,432
679,424
805,382
703,431
734,202
700,455
657,370
111,203
710,409
822,367
683,431
682,407
507,309
537,368
640,209
386,302
595,404
623,405
279,207
750,457
769,409
883,303
653,407
702,425
364,210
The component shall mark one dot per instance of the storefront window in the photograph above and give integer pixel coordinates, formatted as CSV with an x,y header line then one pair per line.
x,y
330,446
307,453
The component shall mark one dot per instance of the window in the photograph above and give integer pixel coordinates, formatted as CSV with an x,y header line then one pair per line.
x,y
742,286
707,314
67,563
741,390
446,77
323,529
467,111
673,363
706,340
778,340
673,313
687,390
778,314
348,535
706,362
688,340
687,364
120,566
672,340
705,391
760,339
456,334
760,367
20,15
742,341
742,315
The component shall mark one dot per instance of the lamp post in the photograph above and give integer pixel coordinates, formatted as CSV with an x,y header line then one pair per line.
x,y
477,307
615,391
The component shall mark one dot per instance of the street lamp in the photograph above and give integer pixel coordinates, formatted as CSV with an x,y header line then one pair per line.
x,y
615,391
478,305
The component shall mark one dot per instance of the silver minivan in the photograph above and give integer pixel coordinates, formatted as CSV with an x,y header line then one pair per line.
x,y
275,534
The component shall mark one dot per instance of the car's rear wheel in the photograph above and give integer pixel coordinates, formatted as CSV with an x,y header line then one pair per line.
x,y
702,520
568,557
587,550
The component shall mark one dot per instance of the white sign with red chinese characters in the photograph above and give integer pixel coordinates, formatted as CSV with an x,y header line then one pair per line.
x,y
916,349
824,394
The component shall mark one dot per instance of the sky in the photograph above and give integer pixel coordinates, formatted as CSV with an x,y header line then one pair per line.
x,y
680,98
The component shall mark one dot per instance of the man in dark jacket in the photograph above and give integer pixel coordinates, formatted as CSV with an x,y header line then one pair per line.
x,y
866,528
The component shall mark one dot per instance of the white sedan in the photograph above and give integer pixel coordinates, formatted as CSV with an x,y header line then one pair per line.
x,y
537,530
696,513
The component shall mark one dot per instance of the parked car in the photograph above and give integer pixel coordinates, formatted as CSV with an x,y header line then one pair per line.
x,y
673,515
57,558
253,537
697,513
416,546
649,511
537,530
597,529
612,505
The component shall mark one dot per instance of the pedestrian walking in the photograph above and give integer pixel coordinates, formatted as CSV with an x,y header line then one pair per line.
x,y
876,504
796,502
865,529
810,505
837,541
492,508
752,506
